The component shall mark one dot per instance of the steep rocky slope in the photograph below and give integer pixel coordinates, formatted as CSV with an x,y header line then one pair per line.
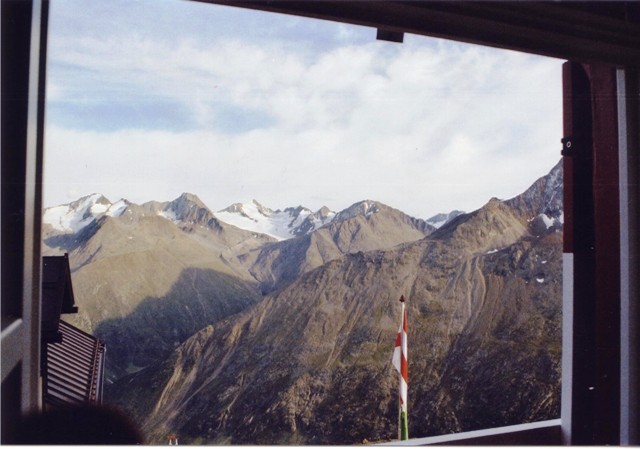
x,y
310,364
364,226
144,283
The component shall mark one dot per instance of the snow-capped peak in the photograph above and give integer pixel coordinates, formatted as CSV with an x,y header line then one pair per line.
x,y
281,224
78,214
261,209
253,211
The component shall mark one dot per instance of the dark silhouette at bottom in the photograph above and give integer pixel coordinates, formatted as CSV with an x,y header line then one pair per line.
x,y
78,425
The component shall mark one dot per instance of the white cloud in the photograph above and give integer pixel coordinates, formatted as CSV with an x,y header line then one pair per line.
x,y
426,126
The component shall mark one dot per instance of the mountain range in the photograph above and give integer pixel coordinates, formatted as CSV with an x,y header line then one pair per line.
x,y
229,335
179,262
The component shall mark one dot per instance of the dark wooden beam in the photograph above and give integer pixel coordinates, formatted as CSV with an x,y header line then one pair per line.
x,y
580,31
592,236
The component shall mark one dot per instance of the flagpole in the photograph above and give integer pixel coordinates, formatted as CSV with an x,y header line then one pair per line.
x,y
403,428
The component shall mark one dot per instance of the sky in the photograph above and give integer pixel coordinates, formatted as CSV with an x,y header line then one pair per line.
x,y
147,99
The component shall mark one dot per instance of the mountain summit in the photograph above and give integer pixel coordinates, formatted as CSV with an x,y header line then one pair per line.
x,y
75,216
281,224
189,212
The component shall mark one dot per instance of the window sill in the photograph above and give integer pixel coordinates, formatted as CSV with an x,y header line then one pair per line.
x,y
543,433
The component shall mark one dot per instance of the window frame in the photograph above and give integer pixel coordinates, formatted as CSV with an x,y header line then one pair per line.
x,y
587,35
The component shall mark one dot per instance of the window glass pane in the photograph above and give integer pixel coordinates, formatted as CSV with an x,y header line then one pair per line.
x,y
245,196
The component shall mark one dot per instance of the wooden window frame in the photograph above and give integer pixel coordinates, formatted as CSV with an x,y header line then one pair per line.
x,y
568,30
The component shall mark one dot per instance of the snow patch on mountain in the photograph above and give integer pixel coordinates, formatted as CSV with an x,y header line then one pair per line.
x,y
117,208
75,216
280,224
169,215
542,223
548,222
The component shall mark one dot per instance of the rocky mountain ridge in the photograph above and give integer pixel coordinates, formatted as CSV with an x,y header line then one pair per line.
x,y
310,363
136,267
188,210
139,264
364,226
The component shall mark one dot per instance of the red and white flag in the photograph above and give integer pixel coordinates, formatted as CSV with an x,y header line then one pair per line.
x,y
400,363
